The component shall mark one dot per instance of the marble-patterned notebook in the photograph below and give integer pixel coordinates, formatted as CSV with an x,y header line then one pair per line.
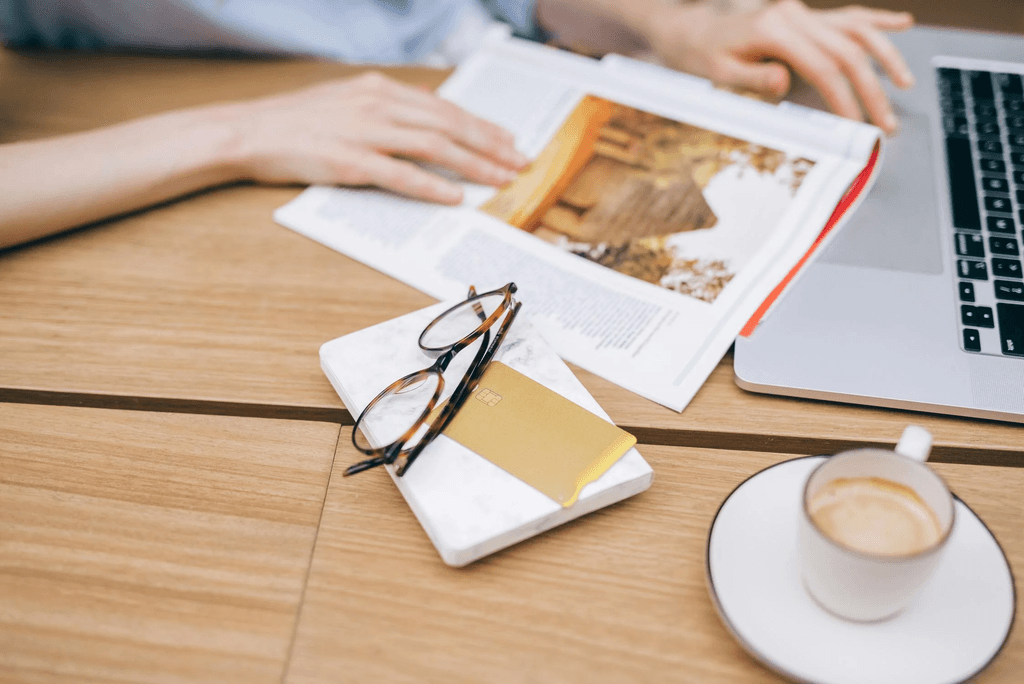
x,y
468,506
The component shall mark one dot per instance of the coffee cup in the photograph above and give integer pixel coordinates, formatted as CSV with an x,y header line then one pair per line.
x,y
872,528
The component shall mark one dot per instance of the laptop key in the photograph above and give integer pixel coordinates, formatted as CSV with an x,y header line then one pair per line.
x,y
972,340
1017,158
951,76
1009,290
1001,204
977,316
993,165
998,224
1006,268
983,109
1014,104
956,126
995,184
954,106
1002,245
1010,84
1018,177
981,85
975,270
966,291
997,204
970,245
1016,138
990,147
1011,328
962,191
1015,122
987,129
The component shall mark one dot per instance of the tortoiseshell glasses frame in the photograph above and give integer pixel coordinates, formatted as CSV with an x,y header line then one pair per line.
x,y
475,307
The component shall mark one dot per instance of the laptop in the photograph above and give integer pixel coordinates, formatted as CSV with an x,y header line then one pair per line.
x,y
918,301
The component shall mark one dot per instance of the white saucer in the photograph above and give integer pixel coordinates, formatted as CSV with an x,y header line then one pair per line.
x,y
955,627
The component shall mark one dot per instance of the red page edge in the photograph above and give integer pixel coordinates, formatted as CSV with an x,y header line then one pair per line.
x,y
851,196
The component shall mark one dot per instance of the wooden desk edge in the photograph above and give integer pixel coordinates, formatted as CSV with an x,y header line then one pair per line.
x,y
716,439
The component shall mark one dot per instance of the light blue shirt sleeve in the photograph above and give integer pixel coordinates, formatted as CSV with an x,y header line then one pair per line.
x,y
14,26
372,31
521,15
19,28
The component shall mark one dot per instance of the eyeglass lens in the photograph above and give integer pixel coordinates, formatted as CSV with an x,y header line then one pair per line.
x,y
461,321
391,416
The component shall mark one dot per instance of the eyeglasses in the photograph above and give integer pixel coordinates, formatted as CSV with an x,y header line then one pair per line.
x,y
400,416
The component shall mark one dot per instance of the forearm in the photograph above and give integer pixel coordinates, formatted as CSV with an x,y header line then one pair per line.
x,y
60,183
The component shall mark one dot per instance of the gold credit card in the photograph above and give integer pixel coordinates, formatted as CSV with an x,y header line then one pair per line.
x,y
537,434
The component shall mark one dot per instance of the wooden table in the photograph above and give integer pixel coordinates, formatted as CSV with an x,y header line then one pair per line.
x,y
616,596
206,305
143,546
189,537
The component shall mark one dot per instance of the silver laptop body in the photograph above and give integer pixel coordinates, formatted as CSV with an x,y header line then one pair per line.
x,y
879,316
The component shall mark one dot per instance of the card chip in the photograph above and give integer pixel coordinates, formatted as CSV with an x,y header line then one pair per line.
x,y
488,397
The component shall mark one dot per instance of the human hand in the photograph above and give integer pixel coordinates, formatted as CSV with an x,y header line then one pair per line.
x,y
832,49
367,130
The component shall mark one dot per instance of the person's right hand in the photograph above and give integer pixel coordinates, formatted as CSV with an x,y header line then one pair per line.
x,y
367,130
832,49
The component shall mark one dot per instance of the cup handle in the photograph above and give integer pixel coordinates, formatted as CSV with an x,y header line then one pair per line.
x,y
915,443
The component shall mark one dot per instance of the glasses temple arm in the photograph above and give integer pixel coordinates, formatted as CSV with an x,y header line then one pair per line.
x,y
451,407
356,468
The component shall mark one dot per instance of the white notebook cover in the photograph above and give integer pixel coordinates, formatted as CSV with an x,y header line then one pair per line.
x,y
468,506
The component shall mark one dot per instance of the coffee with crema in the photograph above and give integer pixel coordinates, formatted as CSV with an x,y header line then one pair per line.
x,y
874,515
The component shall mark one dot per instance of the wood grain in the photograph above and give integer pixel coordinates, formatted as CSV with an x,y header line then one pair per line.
x,y
151,547
44,93
724,415
995,495
165,302
617,596
986,15
139,546
205,305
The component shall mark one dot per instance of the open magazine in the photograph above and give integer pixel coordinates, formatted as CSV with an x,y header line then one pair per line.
x,y
658,215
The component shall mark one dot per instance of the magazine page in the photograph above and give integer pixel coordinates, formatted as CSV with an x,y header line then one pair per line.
x,y
643,236
823,130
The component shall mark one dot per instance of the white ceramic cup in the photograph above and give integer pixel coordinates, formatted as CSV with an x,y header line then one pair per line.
x,y
861,586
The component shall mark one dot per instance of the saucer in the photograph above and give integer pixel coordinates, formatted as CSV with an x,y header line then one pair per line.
x,y
953,629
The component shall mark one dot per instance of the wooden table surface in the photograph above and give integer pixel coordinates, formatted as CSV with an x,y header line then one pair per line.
x,y
142,546
616,596
201,536
206,305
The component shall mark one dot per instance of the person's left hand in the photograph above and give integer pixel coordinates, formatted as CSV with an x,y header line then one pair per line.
x,y
369,130
832,49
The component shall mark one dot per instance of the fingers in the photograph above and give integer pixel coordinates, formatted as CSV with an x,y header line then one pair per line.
x,y
497,150
425,110
834,51
790,41
855,64
879,46
857,67
437,148
761,77
883,20
363,167
397,120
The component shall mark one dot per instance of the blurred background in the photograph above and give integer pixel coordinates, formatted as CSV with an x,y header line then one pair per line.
x,y
988,15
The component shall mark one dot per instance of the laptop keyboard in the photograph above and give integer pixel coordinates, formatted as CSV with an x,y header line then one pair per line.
x,y
983,121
